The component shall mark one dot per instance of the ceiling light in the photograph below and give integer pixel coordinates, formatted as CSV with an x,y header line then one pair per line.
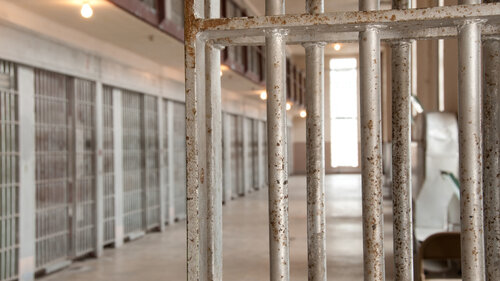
x,y
337,46
86,11
263,95
303,113
288,106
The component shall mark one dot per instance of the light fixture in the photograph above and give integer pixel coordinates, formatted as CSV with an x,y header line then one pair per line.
x,y
224,67
288,106
303,113
221,73
337,46
263,95
86,10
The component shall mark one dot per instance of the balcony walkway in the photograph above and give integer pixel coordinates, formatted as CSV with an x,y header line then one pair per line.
x,y
161,256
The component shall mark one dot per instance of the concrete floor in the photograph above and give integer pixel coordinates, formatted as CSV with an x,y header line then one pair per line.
x,y
161,256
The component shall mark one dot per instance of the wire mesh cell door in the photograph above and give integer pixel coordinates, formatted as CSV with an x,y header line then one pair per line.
x,y
83,193
151,165
179,160
9,172
52,168
133,169
247,154
236,157
108,166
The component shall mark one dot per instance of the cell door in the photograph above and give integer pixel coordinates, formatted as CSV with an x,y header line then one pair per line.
x,y
133,193
151,165
255,153
108,166
247,149
84,192
236,156
52,132
9,172
179,160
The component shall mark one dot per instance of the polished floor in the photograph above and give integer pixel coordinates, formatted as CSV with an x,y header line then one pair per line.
x,y
161,256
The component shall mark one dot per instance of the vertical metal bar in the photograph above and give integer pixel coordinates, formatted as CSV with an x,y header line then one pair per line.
x,y
315,139
470,148
99,158
27,187
195,131
260,154
401,164
247,184
401,161
491,152
161,164
213,101
118,165
371,149
277,154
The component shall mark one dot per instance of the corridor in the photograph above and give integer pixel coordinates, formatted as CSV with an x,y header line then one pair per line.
x,y
161,256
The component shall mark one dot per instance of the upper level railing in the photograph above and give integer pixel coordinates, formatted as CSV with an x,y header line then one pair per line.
x,y
168,16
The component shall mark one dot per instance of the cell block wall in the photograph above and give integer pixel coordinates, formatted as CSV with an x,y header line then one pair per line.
x,y
9,172
133,169
108,166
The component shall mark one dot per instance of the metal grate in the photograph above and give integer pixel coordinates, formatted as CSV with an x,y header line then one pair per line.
x,y
236,156
179,160
254,138
9,176
108,167
84,174
133,193
247,149
166,167
151,171
52,175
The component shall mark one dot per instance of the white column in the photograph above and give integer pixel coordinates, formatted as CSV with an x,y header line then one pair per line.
x,y
161,166
99,195
170,148
118,167
27,187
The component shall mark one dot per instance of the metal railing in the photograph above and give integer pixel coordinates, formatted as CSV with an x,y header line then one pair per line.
x,y
205,33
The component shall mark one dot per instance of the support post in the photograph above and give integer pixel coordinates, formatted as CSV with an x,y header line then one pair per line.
x,y
277,148
470,148
491,152
99,193
27,184
315,150
371,149
118,166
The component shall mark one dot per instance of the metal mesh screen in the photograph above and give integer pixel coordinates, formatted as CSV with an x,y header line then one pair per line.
x,y
180,160
108,167
165,165
9,177
151,171
133,193
247,143
52,177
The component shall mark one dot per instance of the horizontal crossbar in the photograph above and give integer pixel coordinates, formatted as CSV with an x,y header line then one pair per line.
x,y
436,22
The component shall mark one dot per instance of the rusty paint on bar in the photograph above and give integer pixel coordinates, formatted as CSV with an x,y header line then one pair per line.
x,y
401,163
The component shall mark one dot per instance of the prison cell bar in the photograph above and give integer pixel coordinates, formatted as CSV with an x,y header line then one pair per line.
x,y
371,23
213,246
401,162
277,153
315,140
491,152
470,148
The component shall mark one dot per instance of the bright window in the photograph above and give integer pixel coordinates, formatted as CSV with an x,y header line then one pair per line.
x,y
344,112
